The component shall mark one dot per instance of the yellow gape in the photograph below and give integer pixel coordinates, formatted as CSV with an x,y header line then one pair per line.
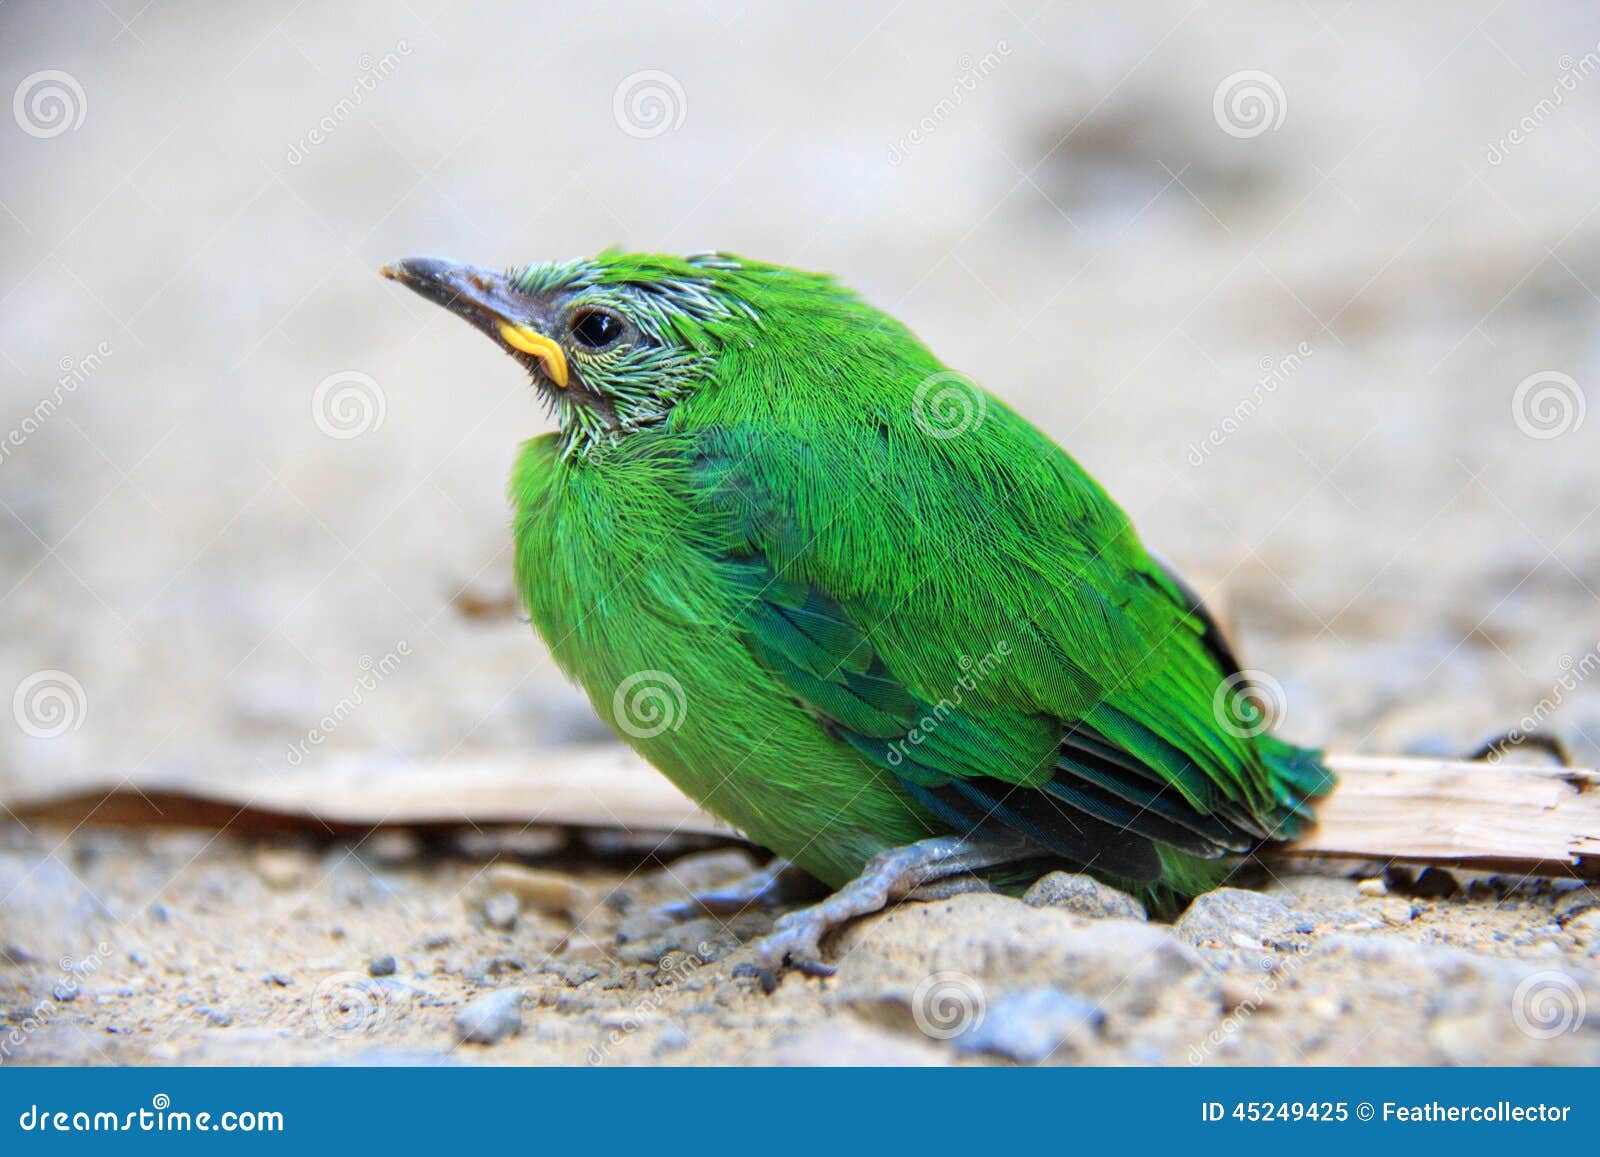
x,y
531,341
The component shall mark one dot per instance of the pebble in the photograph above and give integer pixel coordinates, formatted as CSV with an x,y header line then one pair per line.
x,y
392,847
1033,1026
1374,886
282,868
1435,884
1000,944
583,949
382,966
1397,911
538,890
501,910
1216,919
214,1017
671,1039
491,1019
1084,895
280,979
47,912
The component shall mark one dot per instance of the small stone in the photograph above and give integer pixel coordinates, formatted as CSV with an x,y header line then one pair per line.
x,y
491,1019
214,1017
382,966
999,944
537,890
1397,911
1237,994
1325,1007
1217,918
282,868
278,979
1435,884
433,941
64,993
1033,1026
501,910
392,847
583,949
1374,886
46,912
672,1039
1084,895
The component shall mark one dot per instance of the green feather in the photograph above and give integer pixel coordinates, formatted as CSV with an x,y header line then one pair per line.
x,y
886,623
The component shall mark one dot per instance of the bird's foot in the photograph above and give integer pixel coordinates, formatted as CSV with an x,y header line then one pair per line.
x,y
938,865
778,883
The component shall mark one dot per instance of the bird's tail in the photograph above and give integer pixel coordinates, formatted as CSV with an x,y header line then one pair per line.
x,y
1299,777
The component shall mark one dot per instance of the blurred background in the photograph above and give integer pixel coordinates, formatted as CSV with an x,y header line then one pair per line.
x,y
1311,287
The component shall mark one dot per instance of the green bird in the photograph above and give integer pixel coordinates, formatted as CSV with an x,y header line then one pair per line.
x,y
856,606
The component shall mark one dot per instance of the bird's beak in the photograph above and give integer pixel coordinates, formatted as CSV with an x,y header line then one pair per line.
x,y
488,301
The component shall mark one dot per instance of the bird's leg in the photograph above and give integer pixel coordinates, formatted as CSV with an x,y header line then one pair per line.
x,y
889,877
778,882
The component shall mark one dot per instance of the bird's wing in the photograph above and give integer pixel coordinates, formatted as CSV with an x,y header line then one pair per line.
x,y
991,632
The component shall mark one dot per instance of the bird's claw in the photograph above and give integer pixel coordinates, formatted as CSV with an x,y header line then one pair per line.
x,y
796,942
763,889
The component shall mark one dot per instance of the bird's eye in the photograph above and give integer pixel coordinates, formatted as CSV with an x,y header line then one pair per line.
x,y
595,328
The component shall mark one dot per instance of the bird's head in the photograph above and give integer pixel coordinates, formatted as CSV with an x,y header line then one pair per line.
x,y
614,343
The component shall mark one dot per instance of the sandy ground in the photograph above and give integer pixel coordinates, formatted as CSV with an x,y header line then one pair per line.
x,y
204,951
201,556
